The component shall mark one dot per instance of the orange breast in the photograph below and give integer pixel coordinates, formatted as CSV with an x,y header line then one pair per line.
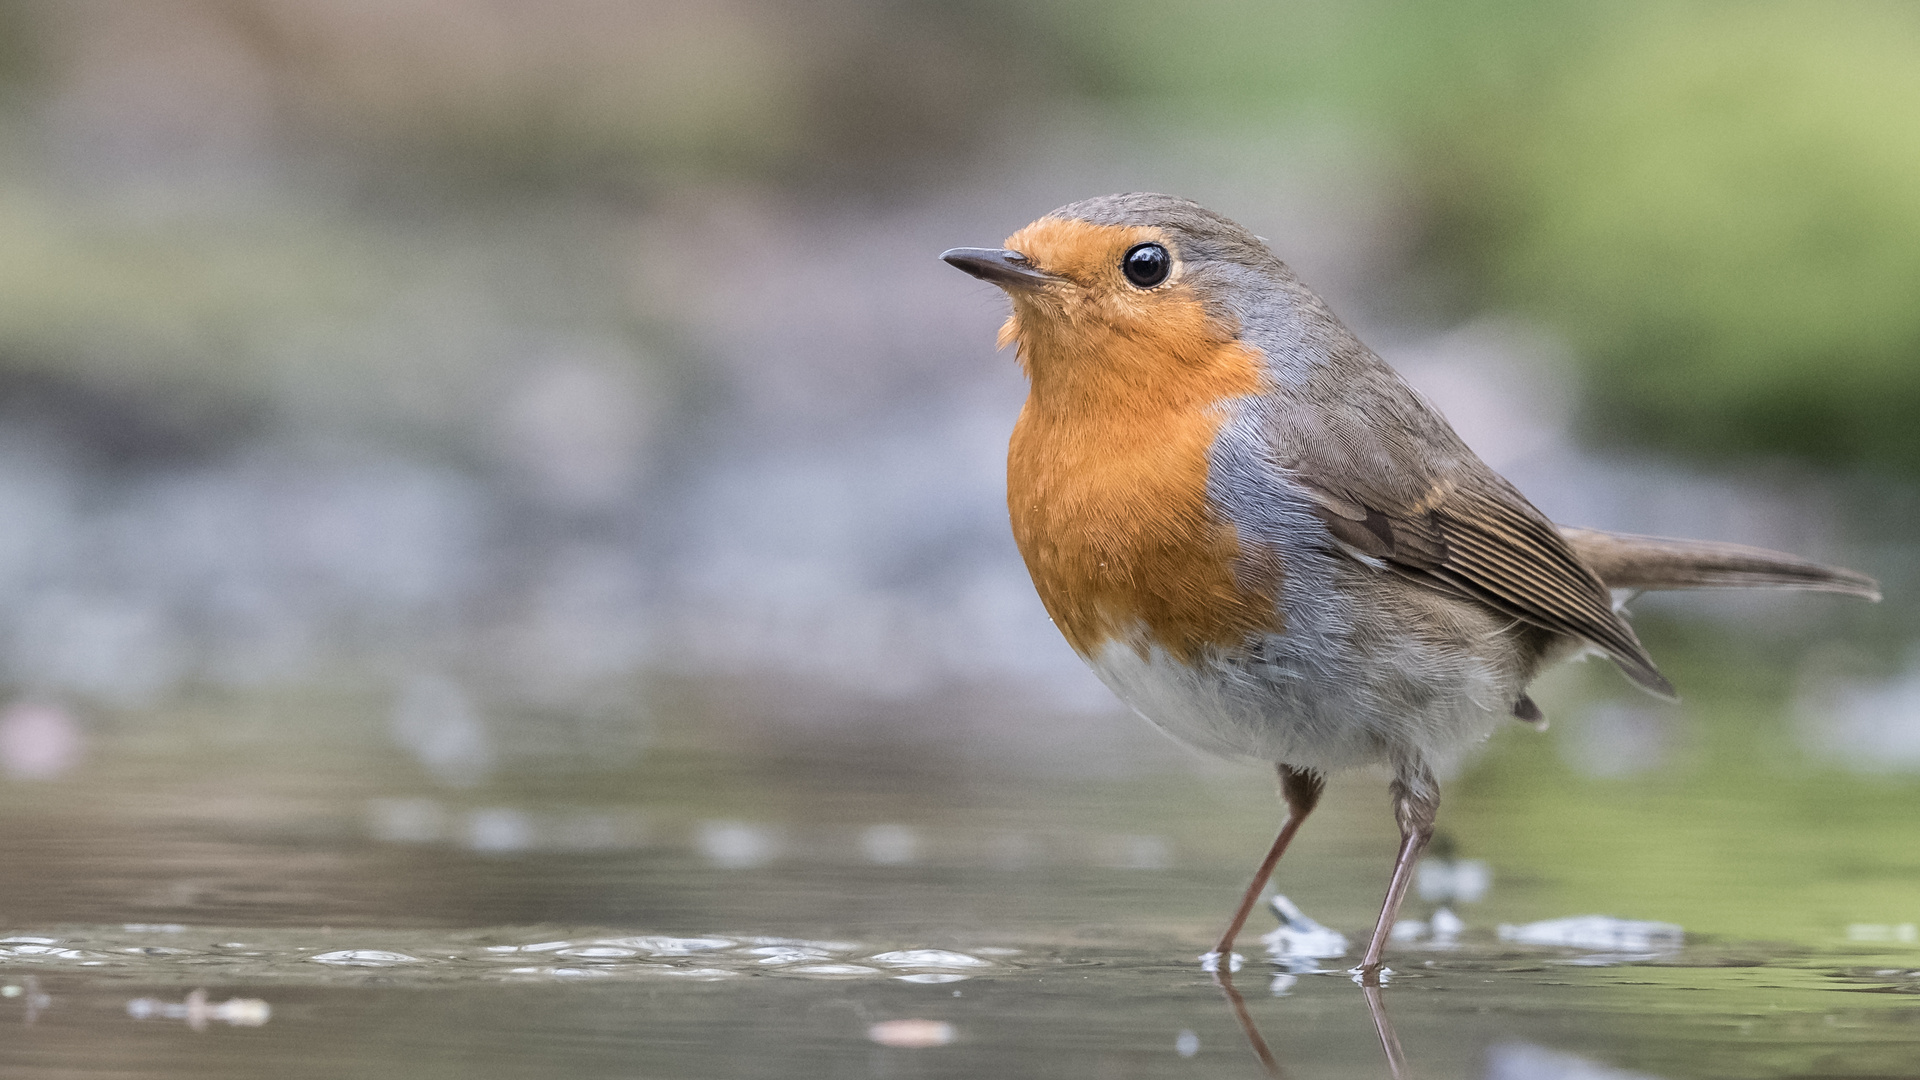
x,y
1107,480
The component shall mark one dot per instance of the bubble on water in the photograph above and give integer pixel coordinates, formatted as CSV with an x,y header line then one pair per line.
x,y
936,958
51,952
662,946
932,977
785,954
1186,1044
364,958
833,969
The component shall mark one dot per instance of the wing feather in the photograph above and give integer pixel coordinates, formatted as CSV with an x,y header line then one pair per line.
x,y
1486,543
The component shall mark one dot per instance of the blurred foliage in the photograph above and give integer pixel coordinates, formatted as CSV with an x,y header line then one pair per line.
x,y
1722,209
350,211
468,97
1715,202
1718,203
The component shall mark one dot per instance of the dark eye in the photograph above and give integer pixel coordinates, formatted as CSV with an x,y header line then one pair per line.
x,y
1146,265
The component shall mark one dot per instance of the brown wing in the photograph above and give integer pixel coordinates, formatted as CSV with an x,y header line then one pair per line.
x,y
1486,543
1393,482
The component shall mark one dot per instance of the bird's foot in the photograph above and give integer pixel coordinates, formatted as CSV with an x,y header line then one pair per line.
x,y
1376,975
1210,962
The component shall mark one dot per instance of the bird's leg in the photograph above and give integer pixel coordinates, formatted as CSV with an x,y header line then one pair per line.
x,y
1416,801
1301,789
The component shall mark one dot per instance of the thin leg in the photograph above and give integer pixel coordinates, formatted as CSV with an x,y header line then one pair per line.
x,y
1302,791
1416,801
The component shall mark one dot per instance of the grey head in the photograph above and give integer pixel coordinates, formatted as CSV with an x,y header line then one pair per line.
x,y
1241,280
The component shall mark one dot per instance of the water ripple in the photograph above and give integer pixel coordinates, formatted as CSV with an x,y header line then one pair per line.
x,y
498,954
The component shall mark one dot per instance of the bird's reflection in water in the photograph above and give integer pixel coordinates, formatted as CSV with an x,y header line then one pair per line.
x,y
1376,1008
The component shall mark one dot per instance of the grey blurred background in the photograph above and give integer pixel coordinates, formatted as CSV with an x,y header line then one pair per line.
x,y
549,378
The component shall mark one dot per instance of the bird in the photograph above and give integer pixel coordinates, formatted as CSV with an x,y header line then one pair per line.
x,y
1267,543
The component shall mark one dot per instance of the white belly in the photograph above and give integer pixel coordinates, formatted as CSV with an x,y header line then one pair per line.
x,y
1270,703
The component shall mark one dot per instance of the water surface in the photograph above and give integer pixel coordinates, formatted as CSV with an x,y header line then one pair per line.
x,y
242,890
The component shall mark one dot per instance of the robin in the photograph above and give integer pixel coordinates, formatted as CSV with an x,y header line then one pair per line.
x,y
1267,543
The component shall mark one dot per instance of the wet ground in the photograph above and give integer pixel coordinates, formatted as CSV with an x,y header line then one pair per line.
x,y
246,888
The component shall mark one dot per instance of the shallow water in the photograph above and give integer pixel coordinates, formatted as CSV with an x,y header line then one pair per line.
x,y
227,895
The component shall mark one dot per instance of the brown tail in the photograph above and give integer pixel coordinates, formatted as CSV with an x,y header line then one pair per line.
x,y
1651,562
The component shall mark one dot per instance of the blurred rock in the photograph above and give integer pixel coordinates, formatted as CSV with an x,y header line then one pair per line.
x,y
38,741
437,722
578,427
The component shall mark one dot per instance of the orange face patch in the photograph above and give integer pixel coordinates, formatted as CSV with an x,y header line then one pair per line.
x,y
1107,471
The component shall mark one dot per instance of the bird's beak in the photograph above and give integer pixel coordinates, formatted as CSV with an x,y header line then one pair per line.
x,y
1007,269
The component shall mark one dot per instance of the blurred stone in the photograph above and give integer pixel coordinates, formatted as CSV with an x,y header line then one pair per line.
x,y
1525,1061
38,741
436,721
1452,881
578,427
500,830
889,845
